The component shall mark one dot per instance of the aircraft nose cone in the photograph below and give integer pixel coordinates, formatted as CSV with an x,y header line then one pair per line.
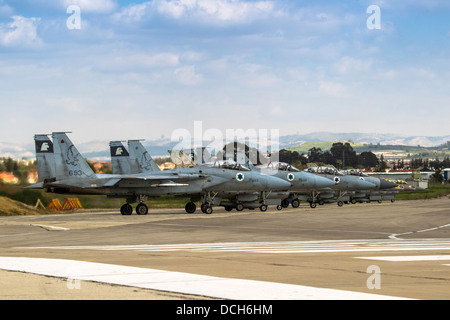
x,y
384,184
322,183
274,183
362,184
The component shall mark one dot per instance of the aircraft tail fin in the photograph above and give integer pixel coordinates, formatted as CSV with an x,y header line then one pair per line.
x,y
69,163
140,160
120,158
45,158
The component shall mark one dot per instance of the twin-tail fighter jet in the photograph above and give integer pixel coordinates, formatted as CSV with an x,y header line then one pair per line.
x,y
348,187
234,193
62,169
384,189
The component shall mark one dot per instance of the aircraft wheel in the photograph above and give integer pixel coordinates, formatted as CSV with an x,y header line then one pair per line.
x,y
285,203
392,200
239,207
190,207
340,203
380,201
295,203
126,210
353,201
208,209
312,205
141,209
279,207
263,208
228,208
321,202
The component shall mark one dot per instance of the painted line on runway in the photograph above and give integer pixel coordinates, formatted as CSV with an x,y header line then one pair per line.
x,y
50,228
395,235
278,247
185,283
409,258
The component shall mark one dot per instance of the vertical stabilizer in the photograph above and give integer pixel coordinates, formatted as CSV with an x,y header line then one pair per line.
x,y
45,158
120,158
69,163
141,161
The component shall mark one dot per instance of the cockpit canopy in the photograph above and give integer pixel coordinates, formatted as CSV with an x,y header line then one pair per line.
x,y
281,166
227,164
323,170
354,172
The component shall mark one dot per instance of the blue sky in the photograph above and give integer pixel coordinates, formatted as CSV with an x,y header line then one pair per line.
x,y
141,69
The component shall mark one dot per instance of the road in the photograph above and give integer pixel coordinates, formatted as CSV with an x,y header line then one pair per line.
x,y
361,251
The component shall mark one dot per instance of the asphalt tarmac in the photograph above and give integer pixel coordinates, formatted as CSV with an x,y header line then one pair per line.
x,y
362,251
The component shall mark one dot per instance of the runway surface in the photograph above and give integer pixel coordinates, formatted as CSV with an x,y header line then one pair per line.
x,y
362,251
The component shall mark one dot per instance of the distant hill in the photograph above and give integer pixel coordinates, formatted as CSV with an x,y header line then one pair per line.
x,y
364,138
393,150
99,150
305,147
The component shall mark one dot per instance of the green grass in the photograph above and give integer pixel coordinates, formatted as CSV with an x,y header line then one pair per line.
x,y
30,197
305,147
434,191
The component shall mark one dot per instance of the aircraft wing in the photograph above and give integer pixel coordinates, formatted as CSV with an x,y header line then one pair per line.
x,y
155,180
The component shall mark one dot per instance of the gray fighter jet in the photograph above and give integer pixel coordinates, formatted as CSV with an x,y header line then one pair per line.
x,y
383,188
250,189
303,183
345,186
68,173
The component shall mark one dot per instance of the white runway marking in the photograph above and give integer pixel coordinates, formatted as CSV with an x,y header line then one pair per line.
x,y
224,288
280,247
50,228
409,258
395,235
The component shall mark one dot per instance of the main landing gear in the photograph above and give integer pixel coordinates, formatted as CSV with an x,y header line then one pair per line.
x,y
191,207
127,209
141,208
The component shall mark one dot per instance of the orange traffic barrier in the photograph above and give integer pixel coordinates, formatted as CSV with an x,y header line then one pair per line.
x,y
71,204
54,205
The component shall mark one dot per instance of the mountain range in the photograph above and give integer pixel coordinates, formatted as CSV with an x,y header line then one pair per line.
x,y
99,150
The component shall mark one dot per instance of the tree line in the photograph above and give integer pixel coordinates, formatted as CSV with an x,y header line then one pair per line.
x,y
342,155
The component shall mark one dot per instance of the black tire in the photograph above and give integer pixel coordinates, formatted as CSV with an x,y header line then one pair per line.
x,y
126,210
141,209
208,210
190,207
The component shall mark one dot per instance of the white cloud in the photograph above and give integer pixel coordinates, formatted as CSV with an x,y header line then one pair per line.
x,y
21,32
187,76
134,13
333,89
137,61
222,11
97,6
349,64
